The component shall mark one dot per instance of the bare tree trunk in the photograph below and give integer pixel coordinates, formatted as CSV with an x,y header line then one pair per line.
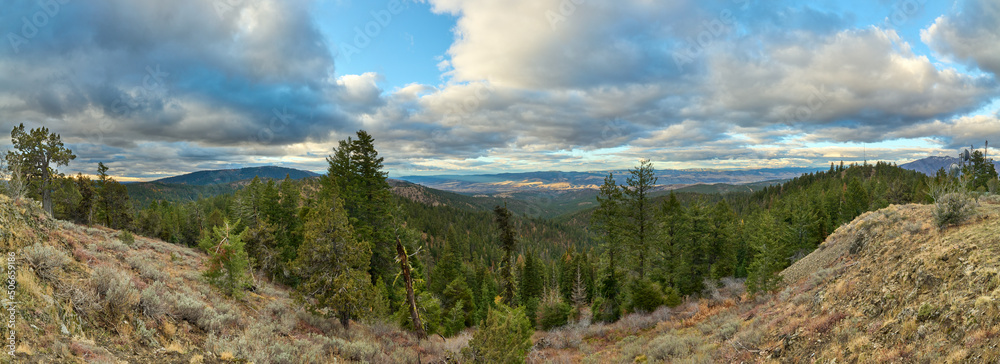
x,y
404,265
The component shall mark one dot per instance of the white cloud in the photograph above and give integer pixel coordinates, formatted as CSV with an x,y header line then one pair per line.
x,y
971,34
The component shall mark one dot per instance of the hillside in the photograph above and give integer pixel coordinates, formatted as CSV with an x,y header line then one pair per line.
x,y
84,295
202,178
888,287
143,193
542,204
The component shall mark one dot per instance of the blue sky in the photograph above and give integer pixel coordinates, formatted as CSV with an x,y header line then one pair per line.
x,y
155,89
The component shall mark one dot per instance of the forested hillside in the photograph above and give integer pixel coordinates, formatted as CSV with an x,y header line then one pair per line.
x,y
437,264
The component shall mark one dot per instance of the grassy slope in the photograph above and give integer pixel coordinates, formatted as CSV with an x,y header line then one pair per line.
x,y
888,287
160,310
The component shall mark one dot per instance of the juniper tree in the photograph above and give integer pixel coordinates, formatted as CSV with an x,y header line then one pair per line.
x,y
35,151
333,264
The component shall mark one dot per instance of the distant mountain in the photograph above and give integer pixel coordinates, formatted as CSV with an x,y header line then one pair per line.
x,y
931,165
205,178
143,193
561,181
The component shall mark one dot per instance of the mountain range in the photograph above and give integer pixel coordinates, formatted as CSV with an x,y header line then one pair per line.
x,y
212,177
931,165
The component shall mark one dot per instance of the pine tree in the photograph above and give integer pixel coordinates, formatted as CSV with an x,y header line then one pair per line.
x,y
722,246
508,243
980,170
228,264
356,174
639,221
674,234
88,198
607,220
769,239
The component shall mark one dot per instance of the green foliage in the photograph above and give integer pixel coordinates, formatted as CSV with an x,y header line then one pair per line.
x,y
531,282
644,296
333,265
605,310
114,208
126,237
227,266
979,170
505,337
553,312
34,153
769,239
508,244
356,174
638,214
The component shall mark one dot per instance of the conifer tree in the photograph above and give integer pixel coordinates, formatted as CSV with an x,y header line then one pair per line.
x,y
35,152
356,173
228,264
88,198
722,248
607,221
332,264
639,217
769,239
980,170
508,243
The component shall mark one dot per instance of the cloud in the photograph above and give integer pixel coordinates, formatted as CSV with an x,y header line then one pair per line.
x,y
122,71
165,88
856,77
958,132
969,34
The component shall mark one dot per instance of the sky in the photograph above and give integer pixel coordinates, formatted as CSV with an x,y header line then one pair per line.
x,y
160,88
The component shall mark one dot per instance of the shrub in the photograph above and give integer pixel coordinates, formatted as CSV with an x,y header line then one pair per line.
x,y
126,238
223,316
190,308
645,296
146,268
46,260
505,337
953,208
115,292
667,346
927,312
553,312
606,310
154,300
